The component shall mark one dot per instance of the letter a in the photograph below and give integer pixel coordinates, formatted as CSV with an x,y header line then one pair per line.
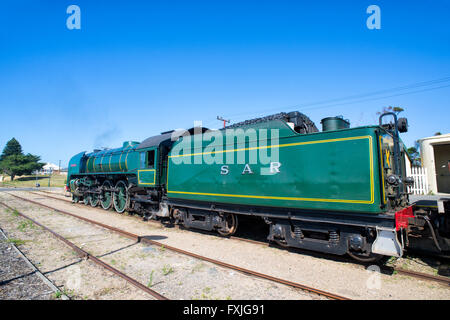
x,y
374,21
73,21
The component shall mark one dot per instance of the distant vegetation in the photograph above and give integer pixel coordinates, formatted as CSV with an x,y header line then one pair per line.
x,y
56,180
14,162
396,110
414,154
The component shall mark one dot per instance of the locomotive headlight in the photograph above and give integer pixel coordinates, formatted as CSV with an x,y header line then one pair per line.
x,y
402,125
393,179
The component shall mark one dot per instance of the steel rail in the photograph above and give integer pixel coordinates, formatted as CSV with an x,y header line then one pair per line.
x,y
415,274
423,276
197,256
87,255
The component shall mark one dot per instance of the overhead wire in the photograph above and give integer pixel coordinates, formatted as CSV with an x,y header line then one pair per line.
x,y
350,99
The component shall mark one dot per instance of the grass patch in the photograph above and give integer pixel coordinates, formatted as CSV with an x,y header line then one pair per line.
x,y
198,267
56,180
167,269
24,225
150,281
16,242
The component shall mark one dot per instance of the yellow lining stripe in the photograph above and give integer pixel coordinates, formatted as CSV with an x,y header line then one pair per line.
x,y
372,194
147,183
270,197
126,158
120,160
274,146
110,157
425,206
382,171
87,164
101,163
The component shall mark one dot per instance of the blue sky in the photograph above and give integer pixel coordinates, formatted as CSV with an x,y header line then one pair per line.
x,y
137,68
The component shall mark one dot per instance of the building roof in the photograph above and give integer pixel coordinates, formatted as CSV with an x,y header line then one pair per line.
x,y
49,165
445,137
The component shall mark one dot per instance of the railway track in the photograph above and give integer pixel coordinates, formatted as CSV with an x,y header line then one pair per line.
x,y
141,239
402,271
84,254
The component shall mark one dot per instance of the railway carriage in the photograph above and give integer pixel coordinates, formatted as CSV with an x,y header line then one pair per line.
x,y
342,190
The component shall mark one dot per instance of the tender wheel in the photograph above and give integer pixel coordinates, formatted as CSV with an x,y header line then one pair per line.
x,y
75,199
281,243
373,257
107,196
94,200
231,221
120,197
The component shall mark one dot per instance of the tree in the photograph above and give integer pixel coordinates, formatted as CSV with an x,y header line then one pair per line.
x,y
13,162
396,110
12,147
414,154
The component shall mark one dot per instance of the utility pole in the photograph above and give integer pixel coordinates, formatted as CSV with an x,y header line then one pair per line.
x,y
59,166
224,121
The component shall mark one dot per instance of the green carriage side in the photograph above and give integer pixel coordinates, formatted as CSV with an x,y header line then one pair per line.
x,y
333,171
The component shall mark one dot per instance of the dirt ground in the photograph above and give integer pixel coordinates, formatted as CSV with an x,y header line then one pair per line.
x,y
329,274
173,275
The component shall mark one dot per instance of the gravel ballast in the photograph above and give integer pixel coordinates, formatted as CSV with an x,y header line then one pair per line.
x,y
327,274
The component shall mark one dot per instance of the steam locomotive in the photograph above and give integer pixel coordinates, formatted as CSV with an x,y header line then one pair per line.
x,y
341,191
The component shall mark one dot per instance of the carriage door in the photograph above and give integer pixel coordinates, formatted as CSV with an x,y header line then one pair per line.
x,y
147,168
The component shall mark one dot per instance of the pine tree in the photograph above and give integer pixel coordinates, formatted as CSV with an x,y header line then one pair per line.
x,y
12,147
13,162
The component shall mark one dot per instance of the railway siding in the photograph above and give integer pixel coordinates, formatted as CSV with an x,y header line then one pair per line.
x,y
61,265
172,275
316,272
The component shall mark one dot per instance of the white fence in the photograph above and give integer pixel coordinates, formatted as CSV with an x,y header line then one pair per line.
x,y
420,180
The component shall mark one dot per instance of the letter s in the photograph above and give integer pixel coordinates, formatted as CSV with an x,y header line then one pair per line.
x,y
224,170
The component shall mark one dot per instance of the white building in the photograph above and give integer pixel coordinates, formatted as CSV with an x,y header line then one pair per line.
x,y
435,153
49,168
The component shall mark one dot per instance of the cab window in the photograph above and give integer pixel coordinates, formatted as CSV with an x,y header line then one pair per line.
x,y
151,159
142,159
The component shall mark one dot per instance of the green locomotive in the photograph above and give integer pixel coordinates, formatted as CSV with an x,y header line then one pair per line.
x,y
342,190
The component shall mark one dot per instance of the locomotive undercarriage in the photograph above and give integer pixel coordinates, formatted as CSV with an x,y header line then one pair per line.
x,y
323,237
430,229
120,193
224,223
359,236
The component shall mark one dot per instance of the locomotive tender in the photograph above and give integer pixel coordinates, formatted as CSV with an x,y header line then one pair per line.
x,y
339,191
